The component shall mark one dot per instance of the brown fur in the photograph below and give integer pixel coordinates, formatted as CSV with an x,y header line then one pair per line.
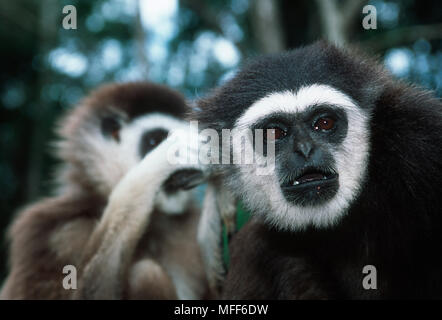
x,y
65,229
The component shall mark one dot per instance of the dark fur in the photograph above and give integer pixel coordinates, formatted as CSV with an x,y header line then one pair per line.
x,y
395,224
138,98
128,100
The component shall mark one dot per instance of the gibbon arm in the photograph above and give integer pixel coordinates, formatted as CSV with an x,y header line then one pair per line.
x,y
219,207
109,252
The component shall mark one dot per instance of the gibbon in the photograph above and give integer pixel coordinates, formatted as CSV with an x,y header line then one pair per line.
x,y
356,184
122,215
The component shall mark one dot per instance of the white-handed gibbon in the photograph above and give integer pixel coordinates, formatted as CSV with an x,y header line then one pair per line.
x,y
122,214
356,181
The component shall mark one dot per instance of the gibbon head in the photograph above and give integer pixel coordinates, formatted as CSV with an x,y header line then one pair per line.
x,y
112,129
316,103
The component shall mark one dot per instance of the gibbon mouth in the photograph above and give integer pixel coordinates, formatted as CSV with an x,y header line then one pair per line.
x,y
311,177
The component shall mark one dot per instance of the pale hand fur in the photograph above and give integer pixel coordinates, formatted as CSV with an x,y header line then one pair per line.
x,y
219,207
123,223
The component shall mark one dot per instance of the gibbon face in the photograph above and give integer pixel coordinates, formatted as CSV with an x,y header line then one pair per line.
x,y
321,149
123,143
113,129
316,102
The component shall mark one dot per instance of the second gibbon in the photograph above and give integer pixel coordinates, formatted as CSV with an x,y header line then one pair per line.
x,y
123,219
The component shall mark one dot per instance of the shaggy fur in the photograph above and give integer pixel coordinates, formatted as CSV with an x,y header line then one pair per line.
x,y
153,255
393,223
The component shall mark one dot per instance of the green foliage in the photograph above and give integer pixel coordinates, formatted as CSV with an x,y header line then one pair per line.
x,y
242,216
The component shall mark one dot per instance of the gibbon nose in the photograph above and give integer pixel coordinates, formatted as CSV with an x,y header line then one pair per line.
x,y
304,149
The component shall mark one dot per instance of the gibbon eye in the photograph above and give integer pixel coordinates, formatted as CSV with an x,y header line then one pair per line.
x,y
276,132
324,124
111,127
150,140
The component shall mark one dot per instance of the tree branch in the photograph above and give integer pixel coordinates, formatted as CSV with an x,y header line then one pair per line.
x,y
337,19
210,18
266,22
140,38
330,19
352,9
202,10
403,36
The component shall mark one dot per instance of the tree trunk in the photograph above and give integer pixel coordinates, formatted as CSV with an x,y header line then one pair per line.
x,y
266,23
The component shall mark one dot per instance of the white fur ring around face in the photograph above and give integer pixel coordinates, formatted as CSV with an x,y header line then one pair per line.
x,y
178,151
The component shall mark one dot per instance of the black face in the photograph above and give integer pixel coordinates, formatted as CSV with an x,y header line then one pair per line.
x,y
150,140
110,127
303,145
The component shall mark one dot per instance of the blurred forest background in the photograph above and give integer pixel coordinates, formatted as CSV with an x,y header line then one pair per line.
x,y
190,45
